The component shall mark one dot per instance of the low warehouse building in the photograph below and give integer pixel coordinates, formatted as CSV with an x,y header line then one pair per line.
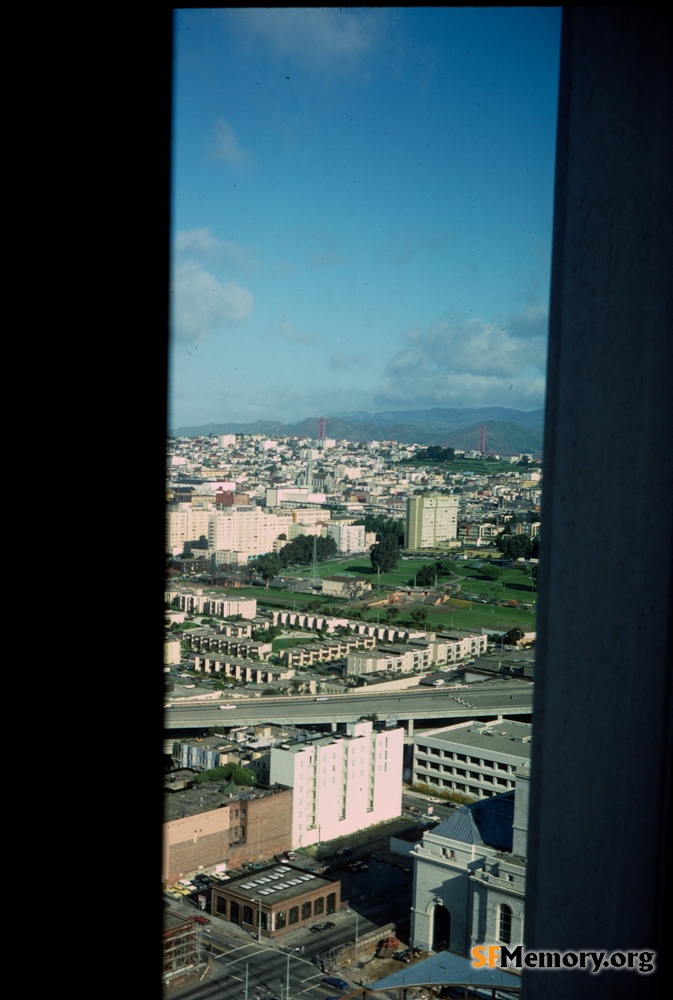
x,y
276,899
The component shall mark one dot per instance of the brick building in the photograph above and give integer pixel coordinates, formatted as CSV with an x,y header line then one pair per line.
x,y
206,828
274,900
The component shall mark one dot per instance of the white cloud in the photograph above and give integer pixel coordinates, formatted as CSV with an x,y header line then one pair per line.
x,y
202,244
348,362
471,364
318,38
295,335
202,305
226,146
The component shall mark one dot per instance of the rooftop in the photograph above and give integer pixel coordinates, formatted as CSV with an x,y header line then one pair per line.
x,y
275,883
503,736
206,797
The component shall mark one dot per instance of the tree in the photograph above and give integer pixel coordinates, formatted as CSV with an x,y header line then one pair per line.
x,y
419,616
514,635
392,612
385,553
300,550
268,566
515,546
383,525
490,572
425,577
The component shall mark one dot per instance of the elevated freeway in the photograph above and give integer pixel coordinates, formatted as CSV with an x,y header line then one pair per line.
x,y
429,706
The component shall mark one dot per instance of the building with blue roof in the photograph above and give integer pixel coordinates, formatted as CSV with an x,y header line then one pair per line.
x,y
470,875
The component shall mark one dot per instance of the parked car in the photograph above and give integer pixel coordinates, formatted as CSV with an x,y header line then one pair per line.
x,y
198,919
338,984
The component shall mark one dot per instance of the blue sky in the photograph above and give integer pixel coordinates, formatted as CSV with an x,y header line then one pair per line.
x,y
361,209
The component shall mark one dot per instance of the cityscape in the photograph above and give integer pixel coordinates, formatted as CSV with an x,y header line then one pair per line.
x,y
365,616
416,643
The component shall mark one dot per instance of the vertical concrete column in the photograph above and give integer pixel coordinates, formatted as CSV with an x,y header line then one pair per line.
x,y
599,868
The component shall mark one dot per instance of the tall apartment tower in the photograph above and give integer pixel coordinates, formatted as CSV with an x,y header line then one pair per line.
x,y
432,520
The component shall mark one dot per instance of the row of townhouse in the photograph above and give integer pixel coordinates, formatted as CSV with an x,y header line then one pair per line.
x,y
325,652
392,659
456,647
245,671
208,638
322,623
245,648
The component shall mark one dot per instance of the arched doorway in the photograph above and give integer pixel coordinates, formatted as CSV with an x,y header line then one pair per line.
x,y
441,931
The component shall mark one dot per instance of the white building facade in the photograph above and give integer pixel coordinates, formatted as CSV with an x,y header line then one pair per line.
x,y
342,783
432,521
470,875
248,530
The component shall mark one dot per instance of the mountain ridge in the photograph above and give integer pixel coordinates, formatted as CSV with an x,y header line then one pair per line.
x,y
508,431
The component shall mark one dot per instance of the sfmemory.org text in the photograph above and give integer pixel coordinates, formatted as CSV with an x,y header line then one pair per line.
x,y
500,956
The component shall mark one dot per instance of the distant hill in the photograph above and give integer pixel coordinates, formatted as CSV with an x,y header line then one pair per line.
x,y
508,432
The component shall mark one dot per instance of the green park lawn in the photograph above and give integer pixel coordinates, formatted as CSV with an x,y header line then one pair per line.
x,y
457,613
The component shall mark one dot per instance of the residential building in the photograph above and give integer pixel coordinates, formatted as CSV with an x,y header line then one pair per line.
x,y
389,659
245,671
186,523
246,529
326,651
202,601
455,647
343,782
432,521
348,537
472,758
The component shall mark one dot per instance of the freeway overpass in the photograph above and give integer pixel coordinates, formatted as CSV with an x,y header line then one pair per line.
x,y
433,706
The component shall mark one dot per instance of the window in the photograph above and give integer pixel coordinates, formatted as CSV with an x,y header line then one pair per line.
x,y
294,915
318,907
281,919
221,905
306,910
504,924
331,903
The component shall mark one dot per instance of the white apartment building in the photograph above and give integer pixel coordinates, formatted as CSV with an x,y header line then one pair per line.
x,y
432,520
248,530
186,522
348,537
200,600
455,647
342,783
473,758
392,659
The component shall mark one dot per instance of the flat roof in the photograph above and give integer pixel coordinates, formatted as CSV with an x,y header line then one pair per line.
x,y
276,883
206,797
505,737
